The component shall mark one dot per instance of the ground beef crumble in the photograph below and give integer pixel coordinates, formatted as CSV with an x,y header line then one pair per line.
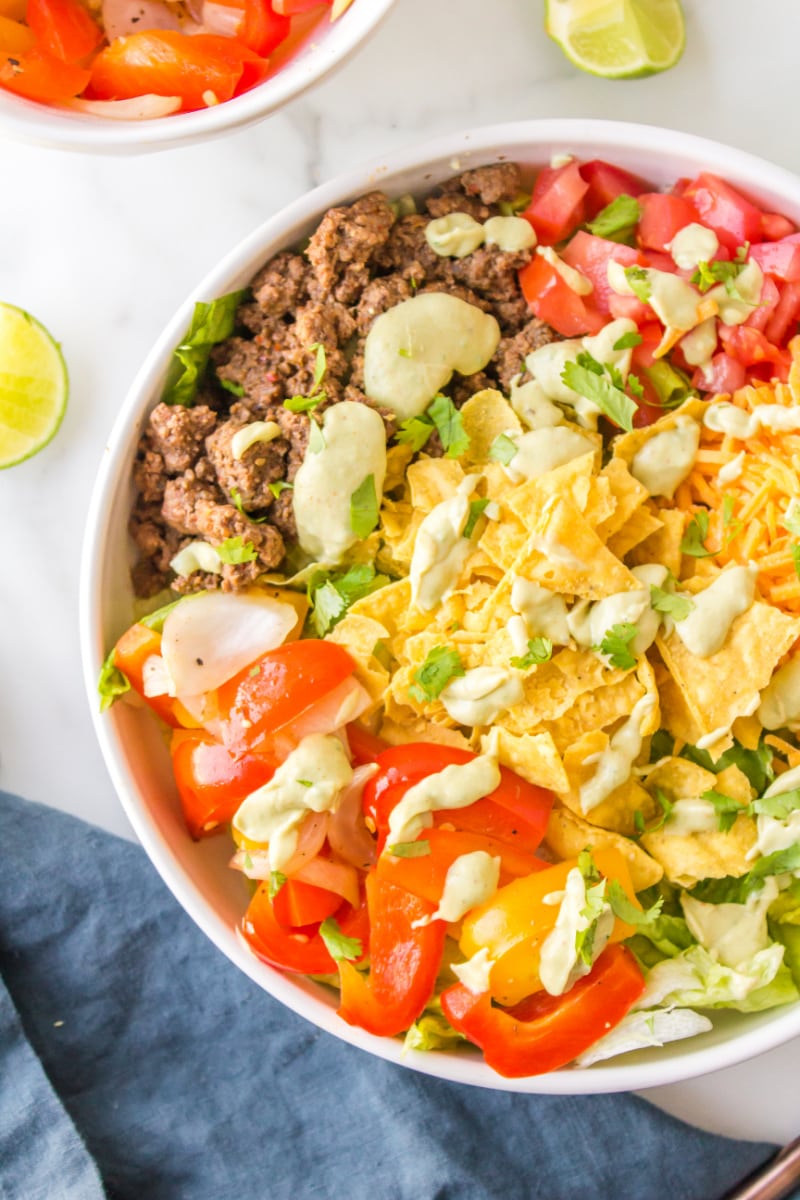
x,y
360,261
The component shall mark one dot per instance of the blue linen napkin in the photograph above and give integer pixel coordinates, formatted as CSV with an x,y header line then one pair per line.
x,y
133,1053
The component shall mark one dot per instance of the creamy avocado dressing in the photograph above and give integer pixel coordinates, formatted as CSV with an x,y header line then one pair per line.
x,y
699,344
736,306
773,833
542,450
732,470
614,764
732,933
480,695
666,459
532,406
691,814
509,233
560,965
471,880
780,699
457,786
475,973
546,365
692,245
544,612
673,300
574,280
311,779
706,628
735,422
413,348
440,549
255,431
455,235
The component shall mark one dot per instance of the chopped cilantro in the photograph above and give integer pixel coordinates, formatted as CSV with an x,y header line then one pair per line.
x,y
336,943
111,683
666,808
662,743
695,535
732,889
364,508
305,783
618,220
628,341
540,650
587,866
235,389
442,664
276,881
332,594
624,908
236,497
316,438
236,550
476,508
639,281
779,806
280,485
592,911
320,362
791,518
301,404
414,432
731,527
210,324
616,645
795,553
449,425
503,449
598,386
409,849
247,861
755,764
404,353
677,607
726,808
708,274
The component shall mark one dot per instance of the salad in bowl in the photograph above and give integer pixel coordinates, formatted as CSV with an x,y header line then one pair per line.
x,y
467,578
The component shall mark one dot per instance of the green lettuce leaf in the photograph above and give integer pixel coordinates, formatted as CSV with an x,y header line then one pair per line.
x,y
783,920
694,979
211,323
111,684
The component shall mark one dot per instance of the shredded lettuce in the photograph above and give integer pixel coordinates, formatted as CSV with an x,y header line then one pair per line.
x,y
111,684
639,1030
432,1032
694,979
211,323
784,925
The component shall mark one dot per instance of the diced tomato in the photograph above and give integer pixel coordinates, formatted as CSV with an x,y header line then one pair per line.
x,y
722,374
663,215
405,956
264,29
768,302
297,904
516,812
591,255
734,219
774,227
164,63
364,746
649,407
40,76
64,28
282,685
781,259
783,322
552,300
557,205
749,347
546,1032
425,875
212,781
606,182
302,949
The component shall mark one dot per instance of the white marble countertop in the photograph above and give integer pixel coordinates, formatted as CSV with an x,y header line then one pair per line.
x,y
103,250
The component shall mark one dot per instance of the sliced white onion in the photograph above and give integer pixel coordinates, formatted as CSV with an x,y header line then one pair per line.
x,y
210,637
312,834
333,876
129,16
140,108
156,679
223,19
252,863
347,834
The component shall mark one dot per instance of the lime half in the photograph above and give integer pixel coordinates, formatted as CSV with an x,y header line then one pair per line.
x,y
33,385
618,39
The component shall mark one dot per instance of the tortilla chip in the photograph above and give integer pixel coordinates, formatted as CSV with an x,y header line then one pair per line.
x,y
598,709
733,782
391,605
486,416
532,755
572,479
712,855
680,779
416,729
640,525
600,502
503,541
431,480
628,445
555,686
568,834
747,731
664,544
726,685
628,495
397,459
616,811
359,635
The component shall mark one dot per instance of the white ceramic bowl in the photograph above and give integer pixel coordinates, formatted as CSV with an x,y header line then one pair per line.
x,y
321,53
131,743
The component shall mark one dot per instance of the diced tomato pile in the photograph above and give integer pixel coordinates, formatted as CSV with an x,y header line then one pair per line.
x,y
55,51
565,202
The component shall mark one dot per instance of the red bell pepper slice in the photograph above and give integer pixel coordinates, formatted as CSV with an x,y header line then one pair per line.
x,y
212,780
546,1032
404,962
302,949
425,875
263,29
297,904
40,76
64,28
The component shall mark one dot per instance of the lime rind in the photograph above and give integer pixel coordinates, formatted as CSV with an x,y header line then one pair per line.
x,y
618,39
34,386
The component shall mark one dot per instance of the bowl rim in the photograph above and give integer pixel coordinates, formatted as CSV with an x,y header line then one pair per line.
x,y
534,140
44,125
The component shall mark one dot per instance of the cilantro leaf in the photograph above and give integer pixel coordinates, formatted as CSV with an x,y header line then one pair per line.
x,y
409,849
592,911
732,889
276,881
779,806
726,807
695,534
450,426
540,650
111,683
755,764
235,389
236,497
628,341
336,943
414,432
616,645
624,908
316,438
502,449
710,273
476,508
280,485
320,362
666,809
211,323
236,550
301,404
791,518
639,282
662,743
441,664
588,867
617,221
332,594
677,607
364,508
582,376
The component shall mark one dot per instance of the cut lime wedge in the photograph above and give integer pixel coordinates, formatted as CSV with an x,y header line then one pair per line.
x,y
618,39
33,386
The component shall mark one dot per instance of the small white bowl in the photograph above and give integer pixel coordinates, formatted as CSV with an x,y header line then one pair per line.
x,y
213,895
320,54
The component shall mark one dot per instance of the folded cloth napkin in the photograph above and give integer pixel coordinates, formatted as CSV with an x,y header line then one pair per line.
x,y
137,1062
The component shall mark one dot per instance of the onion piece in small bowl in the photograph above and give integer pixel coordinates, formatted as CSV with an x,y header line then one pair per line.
x,y
140,108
